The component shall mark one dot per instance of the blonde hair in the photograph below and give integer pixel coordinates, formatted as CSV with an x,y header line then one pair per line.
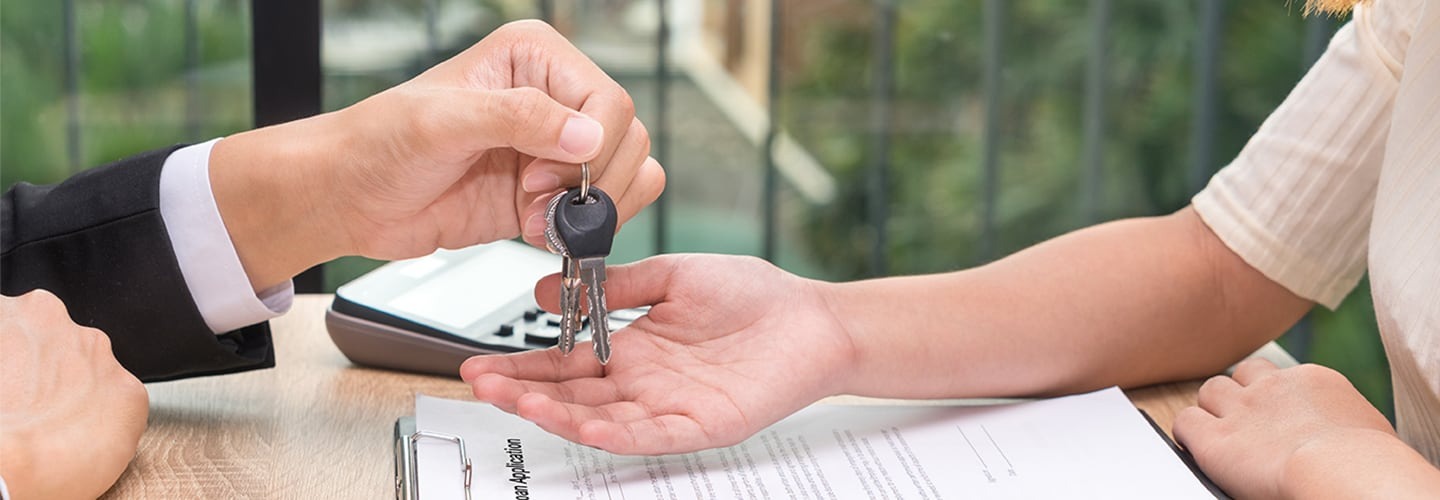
x,y
1331,7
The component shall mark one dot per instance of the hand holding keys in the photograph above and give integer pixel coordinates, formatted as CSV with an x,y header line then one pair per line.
x,y
580,226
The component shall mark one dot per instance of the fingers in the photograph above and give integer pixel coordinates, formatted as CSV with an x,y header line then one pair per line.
x,y
545,365
1253,369
642,283
625,427
526,119
629,143
543,177
630,177
644,189
621,166
566,419
533,123
614,177
561,109
540,57
1218,395
504,392
661,434
547,292
533,54
1194,427
553,417
1221,394
533,215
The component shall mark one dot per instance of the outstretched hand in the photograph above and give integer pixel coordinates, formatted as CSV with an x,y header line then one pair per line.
x,y
730,346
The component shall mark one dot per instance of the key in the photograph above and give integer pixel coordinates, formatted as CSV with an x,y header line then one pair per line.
x,y
569,281
585,225
569,305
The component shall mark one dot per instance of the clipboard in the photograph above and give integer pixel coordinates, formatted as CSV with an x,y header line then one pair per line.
x,y
1187,459
407,487
407,483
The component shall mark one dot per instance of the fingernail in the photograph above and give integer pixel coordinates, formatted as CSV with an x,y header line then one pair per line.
x,y
534,226
540,182
581,136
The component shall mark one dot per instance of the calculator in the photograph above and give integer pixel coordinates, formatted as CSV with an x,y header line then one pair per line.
x,y
429,314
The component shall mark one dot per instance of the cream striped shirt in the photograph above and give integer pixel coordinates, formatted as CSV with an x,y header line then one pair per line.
x,y
1345,177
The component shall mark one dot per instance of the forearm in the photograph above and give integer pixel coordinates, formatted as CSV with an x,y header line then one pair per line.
x,y
1359,464
1129,303
267,183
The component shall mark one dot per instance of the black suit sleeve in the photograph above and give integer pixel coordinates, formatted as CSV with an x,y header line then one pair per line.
x,y
97,241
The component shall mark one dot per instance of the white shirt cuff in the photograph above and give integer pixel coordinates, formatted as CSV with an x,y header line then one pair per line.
x,y
212,270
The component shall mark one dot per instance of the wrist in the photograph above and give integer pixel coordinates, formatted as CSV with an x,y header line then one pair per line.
x,y
1354,463
836,301
269,186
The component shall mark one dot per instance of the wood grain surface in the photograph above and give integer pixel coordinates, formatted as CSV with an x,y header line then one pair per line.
x,y
317,426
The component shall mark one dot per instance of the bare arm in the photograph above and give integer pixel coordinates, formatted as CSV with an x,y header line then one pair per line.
x,y
1376,465
734,344
1127,303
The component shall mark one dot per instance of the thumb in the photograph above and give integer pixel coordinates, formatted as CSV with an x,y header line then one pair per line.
x,y
643,283
528,120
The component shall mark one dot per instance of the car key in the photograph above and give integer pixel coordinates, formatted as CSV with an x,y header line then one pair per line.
x,y
584,223
569,281
569,305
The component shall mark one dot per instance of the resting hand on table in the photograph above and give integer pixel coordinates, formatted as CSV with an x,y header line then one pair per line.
x,y
1301,432
70,415
466,153
731,345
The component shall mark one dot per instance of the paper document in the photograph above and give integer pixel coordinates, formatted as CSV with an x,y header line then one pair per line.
x,y
1094,445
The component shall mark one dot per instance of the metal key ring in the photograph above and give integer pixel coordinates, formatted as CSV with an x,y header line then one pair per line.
x,y
584,182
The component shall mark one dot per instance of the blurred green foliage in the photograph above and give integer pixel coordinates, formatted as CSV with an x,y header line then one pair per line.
x,y
131,81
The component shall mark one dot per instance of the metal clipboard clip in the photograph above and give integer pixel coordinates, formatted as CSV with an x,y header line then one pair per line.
x,y
407,476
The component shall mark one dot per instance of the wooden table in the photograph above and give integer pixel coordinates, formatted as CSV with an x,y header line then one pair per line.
x,y
317,426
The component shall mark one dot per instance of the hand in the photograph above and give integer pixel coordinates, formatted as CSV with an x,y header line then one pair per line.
x,y
70,416
1272,433
468,152
730,346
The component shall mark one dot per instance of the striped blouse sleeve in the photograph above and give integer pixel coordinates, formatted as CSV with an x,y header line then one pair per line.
x,y
1296,202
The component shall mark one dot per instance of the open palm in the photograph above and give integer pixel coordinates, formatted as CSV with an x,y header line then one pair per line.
x,y
731,345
